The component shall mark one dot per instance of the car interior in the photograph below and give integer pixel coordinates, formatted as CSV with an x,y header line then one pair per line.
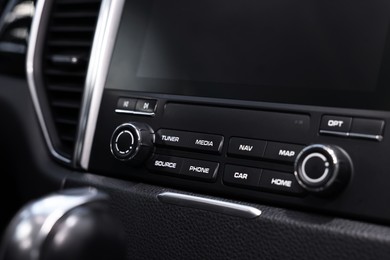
x,y
208,129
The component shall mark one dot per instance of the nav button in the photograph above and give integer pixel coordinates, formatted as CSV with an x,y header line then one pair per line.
x,y
241,176
246,147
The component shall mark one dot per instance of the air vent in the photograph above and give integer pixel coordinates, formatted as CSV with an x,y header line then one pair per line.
x,y
66,54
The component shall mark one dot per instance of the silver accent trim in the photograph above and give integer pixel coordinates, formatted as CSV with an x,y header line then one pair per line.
x,y
364,136
31,51
103,45
354,135
334,133
121,111
228,208
31,226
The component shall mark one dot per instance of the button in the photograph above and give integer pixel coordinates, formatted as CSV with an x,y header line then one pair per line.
x,y
123,144
200,169
240,175
246,147
127,104
282,152
145,105
279,182
167,164
367,127
335,124
190,140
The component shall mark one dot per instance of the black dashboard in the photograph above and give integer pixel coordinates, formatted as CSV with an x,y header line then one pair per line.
x,y
251,129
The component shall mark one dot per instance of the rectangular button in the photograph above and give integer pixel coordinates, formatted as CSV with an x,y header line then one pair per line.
x,y
127,104
167,164
145,105
336,124
246,147
200,169
282,151
190,140
279,182
241,175
367,126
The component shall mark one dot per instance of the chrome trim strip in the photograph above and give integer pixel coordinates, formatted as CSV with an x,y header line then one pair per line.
x,y
31,51
364,136
354,135
228,208
334,133
103,45
121,111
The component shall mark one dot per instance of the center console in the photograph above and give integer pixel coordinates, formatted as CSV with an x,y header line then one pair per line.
x,y
272,102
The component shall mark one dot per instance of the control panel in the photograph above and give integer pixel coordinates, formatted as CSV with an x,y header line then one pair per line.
x,y
330,160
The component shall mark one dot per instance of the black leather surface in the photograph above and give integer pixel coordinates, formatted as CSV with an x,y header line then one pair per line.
x,y
162,231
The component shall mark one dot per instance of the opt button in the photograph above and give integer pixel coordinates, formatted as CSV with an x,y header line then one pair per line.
x,y
335,124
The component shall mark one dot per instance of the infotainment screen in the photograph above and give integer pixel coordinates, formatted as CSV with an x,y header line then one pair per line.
x,y
313,52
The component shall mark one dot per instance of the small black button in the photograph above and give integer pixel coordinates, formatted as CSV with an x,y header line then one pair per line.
x,y
282,151
367,126
145,105
167,164
127,104
246,147
279,182
200,169
189,140
241,175
336,124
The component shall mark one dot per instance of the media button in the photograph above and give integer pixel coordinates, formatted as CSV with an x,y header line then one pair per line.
x,y
335,124
166,164
241,175
282,151
189,140
200,169
279,182
246,147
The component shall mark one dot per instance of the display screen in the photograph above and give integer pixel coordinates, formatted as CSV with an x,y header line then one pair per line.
x,y
315,52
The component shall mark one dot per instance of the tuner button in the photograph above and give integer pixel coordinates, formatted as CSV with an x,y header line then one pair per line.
x,y
132,142
323,169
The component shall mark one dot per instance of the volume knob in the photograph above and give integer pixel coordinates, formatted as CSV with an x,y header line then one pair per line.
x,y
323,169
132,142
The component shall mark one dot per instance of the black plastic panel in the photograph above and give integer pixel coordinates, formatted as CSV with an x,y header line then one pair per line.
x,y
365,197
156,230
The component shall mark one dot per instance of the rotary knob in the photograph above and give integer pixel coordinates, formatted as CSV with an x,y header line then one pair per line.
x,y
132,142
323,169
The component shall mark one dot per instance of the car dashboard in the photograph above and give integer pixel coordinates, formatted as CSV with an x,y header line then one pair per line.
x,y
219,130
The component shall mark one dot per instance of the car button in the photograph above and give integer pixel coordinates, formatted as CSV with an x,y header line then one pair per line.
x,y
279,182
369,127
335,124
145,106
167,164
200,169
241,175
246,147
190,140
282,151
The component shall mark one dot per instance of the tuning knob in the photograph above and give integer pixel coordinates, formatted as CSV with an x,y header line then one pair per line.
x,y
132,142
323,169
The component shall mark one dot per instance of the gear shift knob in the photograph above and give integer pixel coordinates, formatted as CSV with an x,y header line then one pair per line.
x,y
73,224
